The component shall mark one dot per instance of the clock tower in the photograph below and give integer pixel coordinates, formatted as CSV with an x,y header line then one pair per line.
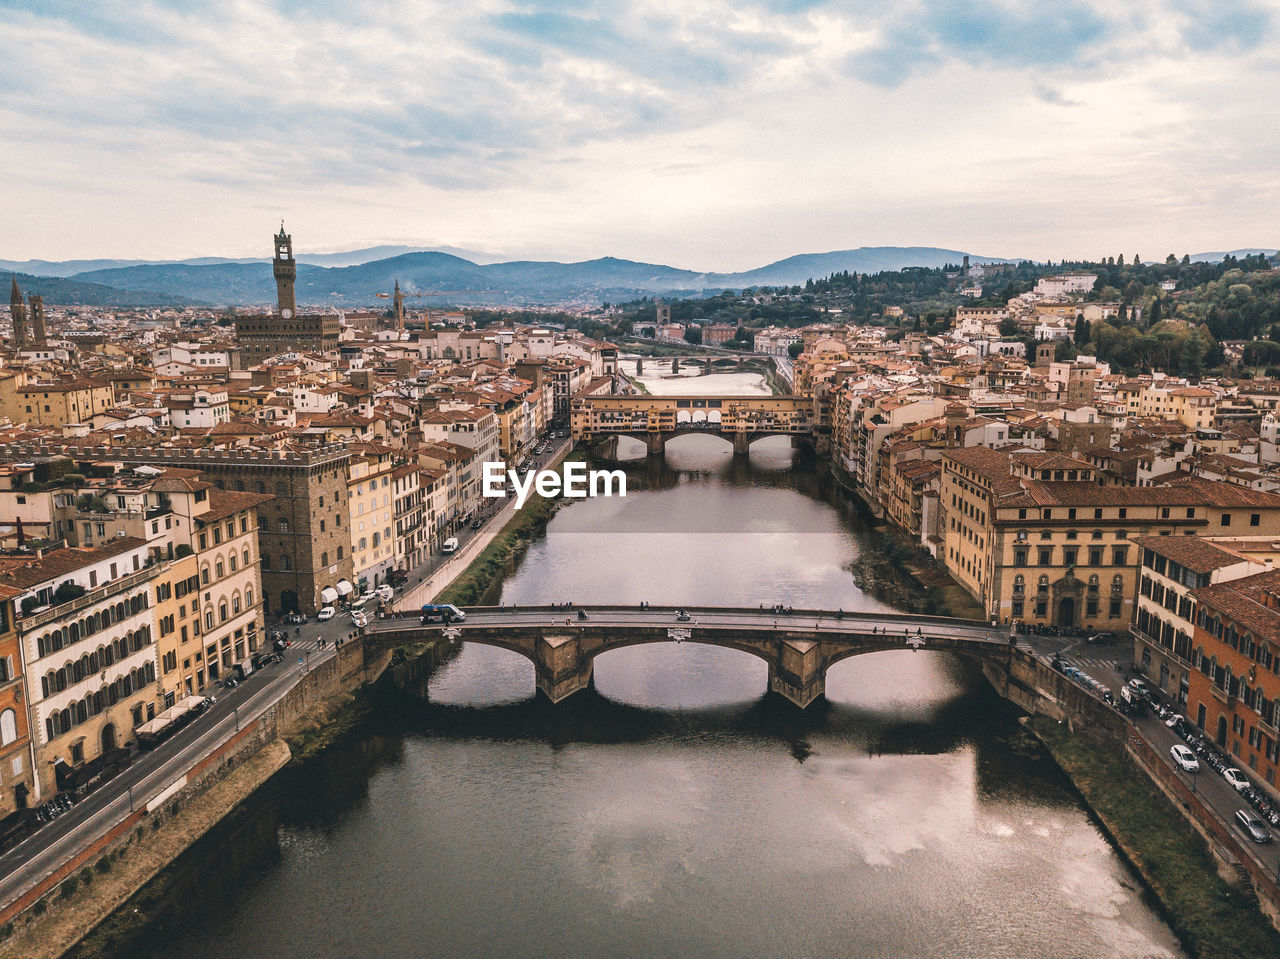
x,y
286,270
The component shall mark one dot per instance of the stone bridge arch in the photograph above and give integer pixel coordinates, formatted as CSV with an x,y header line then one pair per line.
x,y
564,656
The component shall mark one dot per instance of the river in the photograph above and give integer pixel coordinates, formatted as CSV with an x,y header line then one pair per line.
x,y
674,808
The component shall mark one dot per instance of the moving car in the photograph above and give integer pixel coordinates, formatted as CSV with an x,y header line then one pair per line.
x,y
1235,779
442,612
1185,758
1175,721
1252,826
326,614
359,619
450,545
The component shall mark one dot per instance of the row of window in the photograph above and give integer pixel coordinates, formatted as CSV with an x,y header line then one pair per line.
x,y
83,710
53,641
56,680
1096,556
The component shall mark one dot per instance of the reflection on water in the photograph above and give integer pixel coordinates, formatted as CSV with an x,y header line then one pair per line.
x,y
674,807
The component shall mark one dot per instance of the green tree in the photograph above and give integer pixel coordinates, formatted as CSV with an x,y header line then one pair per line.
x,y
795,349
693,334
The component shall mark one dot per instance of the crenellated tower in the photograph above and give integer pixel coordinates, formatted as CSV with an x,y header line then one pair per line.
x,y
286,271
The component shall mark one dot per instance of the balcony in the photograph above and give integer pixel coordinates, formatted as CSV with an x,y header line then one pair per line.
x,y
121,584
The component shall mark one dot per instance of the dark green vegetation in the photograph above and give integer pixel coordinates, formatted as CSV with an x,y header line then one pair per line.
x,y
59,291
1179,329
1213,920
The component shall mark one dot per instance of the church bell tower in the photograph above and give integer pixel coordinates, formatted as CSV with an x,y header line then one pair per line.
x,y
18,311
397,309
286,271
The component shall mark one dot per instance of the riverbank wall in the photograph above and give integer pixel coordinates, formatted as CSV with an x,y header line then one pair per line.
x,y
65,905
1214,897
1112,742
144,846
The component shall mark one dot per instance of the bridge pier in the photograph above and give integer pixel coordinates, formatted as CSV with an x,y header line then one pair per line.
x,y
560,668
798,674
655,443
741,444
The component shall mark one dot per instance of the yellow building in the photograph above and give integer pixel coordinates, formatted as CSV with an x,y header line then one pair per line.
x,y
370,503
1034,538
53,404
177,613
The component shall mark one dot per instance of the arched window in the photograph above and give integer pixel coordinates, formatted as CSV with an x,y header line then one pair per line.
x,y
239,486
245,556
208,619
221,570
204,575
222,611
324,558
339,552
235,604
1093,583
1019,584
280,490
266,561
248,596
1043,585
233,561
1117,583
260,487
286,562
262,521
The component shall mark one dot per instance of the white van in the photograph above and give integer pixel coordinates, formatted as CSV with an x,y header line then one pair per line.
x,y
450,545
384,593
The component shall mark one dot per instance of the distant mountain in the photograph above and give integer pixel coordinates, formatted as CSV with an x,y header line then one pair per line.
x,y
1238,254
348,258
865,259
372,253
58,291
457,280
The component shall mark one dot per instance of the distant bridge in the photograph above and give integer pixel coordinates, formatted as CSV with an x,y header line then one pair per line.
x,y
656,419
799,647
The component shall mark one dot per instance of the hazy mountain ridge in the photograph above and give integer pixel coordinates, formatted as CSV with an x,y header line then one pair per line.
x,y
60,291
462,281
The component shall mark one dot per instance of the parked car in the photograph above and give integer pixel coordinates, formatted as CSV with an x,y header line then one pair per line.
x,y
326,614
1235,779
1175,721
1185,758
1252,826
1140,686
295,618
477,523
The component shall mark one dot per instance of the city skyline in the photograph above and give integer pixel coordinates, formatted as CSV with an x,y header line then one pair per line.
x,y
708,136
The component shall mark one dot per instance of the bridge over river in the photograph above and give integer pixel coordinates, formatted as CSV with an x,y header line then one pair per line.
x,y
656,419
799,646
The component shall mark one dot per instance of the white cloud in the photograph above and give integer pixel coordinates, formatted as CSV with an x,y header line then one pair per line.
x,y
707,134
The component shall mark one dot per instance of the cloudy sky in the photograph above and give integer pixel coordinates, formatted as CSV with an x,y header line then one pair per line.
x,y
708,134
